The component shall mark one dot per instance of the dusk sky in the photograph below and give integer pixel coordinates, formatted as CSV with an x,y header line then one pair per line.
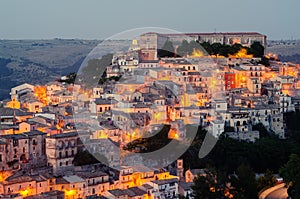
x,y
99,19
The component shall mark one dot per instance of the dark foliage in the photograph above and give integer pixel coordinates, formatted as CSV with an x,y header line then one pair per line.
x,y
85,157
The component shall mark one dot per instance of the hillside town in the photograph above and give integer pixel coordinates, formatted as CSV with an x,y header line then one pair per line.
x,y
48,131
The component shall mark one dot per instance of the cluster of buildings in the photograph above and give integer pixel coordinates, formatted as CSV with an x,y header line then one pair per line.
x,y
44,129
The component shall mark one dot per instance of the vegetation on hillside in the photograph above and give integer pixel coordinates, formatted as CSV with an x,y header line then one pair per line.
x,y
188,48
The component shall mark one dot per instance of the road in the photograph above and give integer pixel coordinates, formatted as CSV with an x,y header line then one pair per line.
x,y
277,192
280,193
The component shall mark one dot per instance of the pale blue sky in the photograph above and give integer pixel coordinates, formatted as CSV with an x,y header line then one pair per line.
x,y
99,19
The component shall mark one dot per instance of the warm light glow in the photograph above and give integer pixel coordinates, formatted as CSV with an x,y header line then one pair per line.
x,y
157,116
70,193
102,136
41,93
60,124
173,134
272,56
241,54
197,53
137,179
214,82
285,92
24,192
243,79
228,194
4,175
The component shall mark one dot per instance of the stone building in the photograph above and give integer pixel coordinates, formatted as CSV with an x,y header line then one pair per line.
x,y
61,150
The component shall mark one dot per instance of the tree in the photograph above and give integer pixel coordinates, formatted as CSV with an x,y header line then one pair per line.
x,y
266,181
291,175
167,50
85,157
257,50
291,169
206,186
244,183
235,48
224,51
265,61
70,78
263,132
207,47
216,47
183,49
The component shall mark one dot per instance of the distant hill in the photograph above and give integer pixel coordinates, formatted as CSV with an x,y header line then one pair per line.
x,y
287,51
39,61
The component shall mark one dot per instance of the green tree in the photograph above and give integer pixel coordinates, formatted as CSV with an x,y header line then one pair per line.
x,y
257,50
291,175
244,183
266,181
71,78
167,50
207,47
183,49
291,169
263,132
235,48
85,157
265,61
216,47
206,186
224,51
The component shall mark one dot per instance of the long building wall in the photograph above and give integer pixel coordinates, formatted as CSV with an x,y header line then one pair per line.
x,y
155,40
